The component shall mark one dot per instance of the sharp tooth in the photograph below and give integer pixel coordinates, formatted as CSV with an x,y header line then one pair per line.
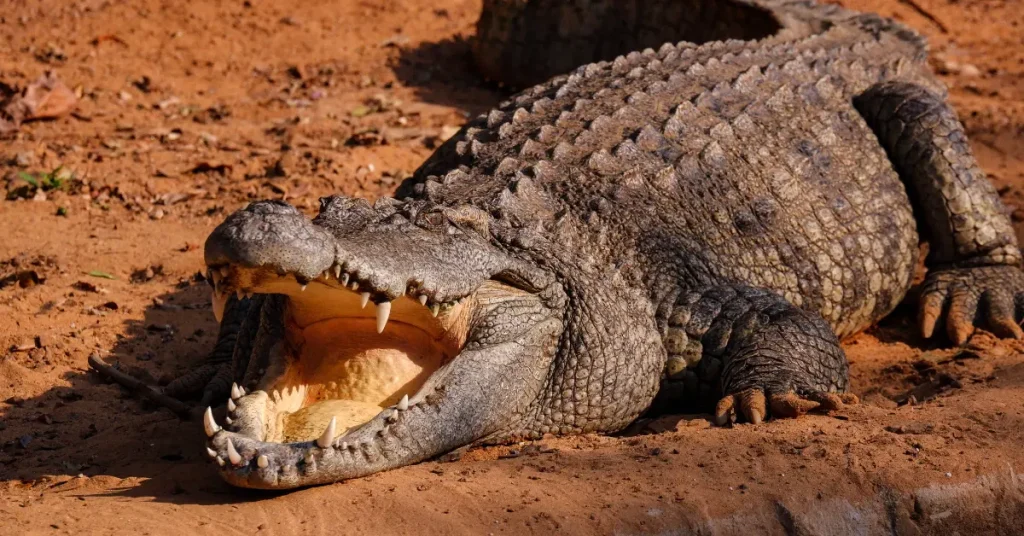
x,y
403,404
211,453
233,455
262,461
236,393
423,299
327,275
337,271
228,420
220,461
308,457
209,424
344,445
434,309
303,288
277,395
324,440
383,312
354,286
241,390
364,299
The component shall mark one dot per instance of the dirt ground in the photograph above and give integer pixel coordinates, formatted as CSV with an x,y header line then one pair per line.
x,y
191,109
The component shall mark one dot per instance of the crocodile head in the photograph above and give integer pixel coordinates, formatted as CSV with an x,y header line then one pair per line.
x,y
384,335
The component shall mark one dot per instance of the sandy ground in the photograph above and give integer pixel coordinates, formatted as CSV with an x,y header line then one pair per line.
x,y
190,110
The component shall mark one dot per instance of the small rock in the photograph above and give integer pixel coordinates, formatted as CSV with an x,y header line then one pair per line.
x,y
969,70
24,159
157,214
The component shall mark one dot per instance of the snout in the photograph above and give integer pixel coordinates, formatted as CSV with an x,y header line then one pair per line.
x,y
271,234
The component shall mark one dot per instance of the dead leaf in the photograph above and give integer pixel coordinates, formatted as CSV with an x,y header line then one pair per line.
x,y
46,98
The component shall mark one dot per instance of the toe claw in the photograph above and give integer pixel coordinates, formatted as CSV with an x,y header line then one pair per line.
x,y
932,306
789,405
752,405
826,401
725,411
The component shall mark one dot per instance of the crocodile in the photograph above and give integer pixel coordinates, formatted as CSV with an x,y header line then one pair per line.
x,y
688,207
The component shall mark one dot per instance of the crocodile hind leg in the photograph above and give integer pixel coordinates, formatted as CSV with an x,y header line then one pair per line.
x,y
213,378
974,276
753,352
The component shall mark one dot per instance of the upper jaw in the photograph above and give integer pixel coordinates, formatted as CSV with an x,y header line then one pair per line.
x,y
375,251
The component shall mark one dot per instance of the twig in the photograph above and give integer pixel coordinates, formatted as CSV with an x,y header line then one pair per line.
x,y
926,14
139,387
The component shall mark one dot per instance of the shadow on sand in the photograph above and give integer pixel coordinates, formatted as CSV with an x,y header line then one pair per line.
x,y
95,428
443,73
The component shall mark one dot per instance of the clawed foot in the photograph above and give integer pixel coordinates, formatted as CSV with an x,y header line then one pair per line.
x,y
753,406
963,298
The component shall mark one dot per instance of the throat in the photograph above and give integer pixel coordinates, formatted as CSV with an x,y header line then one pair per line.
x,y
346,370
347,359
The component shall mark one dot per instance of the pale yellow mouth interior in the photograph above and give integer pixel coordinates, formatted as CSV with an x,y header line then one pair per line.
x,y
352,372
334,363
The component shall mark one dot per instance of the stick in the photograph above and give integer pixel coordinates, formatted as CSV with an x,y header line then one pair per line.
x,y
139,387
926,14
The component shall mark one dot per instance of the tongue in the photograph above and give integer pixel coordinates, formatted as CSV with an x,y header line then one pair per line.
x,y
309,422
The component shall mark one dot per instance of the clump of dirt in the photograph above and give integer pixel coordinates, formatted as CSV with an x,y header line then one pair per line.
x,y
184,115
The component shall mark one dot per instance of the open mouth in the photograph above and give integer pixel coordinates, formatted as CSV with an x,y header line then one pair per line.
x,y
343,357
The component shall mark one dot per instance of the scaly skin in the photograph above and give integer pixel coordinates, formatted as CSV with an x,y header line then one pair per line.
x,y
699,222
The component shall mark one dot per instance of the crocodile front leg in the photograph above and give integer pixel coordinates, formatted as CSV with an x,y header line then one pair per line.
x,y
755,353
974,275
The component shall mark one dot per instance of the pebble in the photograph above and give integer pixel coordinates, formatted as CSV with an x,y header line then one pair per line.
x,y
24,159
